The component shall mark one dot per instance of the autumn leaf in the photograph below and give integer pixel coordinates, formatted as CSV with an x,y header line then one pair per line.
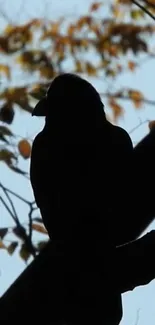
x,y
24,253
137,97
131,65
37,92
7,156
116,108
24,148
137,14
90,69
39,228
3,232
78,66
12,247
20,232
2,246
151,125
7,113
4,131
95,6
5,69
47,72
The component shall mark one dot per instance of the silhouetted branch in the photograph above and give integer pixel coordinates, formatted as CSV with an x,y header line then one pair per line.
x,y
148,3
143,9
8,209
9,199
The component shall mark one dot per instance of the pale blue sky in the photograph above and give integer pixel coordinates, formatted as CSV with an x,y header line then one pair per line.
x,y
141,299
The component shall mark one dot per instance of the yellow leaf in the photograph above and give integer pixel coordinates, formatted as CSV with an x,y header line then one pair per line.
x,y
24,148
78,66
151,125
137,14
5,69
95,6
39,228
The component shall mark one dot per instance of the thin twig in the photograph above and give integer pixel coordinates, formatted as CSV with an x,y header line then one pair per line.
x,y
15,194
30,222
11,203
143,9
8,209
137,126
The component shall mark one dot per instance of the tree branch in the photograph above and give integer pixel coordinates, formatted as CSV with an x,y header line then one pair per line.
x,y
143,9
148,3
126,97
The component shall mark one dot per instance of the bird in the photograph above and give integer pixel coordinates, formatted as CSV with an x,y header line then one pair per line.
x,y
80,175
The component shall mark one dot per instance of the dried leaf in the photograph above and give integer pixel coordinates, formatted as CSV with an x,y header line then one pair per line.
x,y
20,232
151,125
39,228
5,69
24,148
137,14
4,132
7,113
131,65
47,72
2,246
7,156
3,232
116,108
95,6
137,97
78,66
90,69
24,253
12,247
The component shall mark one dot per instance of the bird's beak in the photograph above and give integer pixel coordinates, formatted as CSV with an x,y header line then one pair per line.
x,y
40,108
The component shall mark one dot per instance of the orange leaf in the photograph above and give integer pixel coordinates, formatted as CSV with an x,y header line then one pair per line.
x,y
117,109
39,228
137,97
24,148
131,65
95,6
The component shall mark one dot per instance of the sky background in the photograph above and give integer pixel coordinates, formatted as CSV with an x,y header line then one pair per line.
x,y
138,305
